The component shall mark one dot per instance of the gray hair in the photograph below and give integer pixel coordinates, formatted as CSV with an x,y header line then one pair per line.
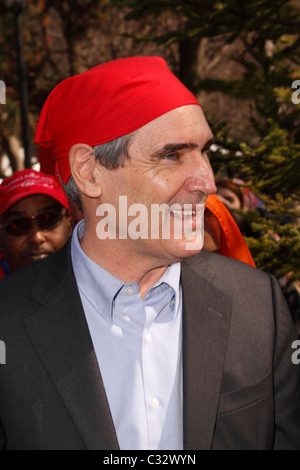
x,y
111,155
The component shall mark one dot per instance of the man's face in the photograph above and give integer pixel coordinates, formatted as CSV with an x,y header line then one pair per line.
x,y
168,165
20,251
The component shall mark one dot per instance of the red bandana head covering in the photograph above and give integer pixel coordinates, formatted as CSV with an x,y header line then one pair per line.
x,y
106,102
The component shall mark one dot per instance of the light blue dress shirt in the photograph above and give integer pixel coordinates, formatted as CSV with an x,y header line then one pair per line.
x,y
138,345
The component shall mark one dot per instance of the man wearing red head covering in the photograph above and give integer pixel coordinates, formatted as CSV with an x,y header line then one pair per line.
x,y
132,336
34,219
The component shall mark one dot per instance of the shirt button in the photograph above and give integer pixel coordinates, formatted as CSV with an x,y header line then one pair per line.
x,y
154,402
148,338
130,290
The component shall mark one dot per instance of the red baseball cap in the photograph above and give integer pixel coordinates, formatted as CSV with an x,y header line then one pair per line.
x,y
26,183
106,102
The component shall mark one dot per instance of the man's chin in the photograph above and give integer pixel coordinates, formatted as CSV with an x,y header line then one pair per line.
x,y
188,248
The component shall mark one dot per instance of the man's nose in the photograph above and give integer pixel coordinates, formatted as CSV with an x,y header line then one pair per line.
x,y
201,177
36,235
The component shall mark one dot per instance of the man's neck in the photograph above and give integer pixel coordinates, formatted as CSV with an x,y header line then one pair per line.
x,y
124,264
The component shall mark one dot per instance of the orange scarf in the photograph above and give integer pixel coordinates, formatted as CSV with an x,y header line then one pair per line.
x,y
233,244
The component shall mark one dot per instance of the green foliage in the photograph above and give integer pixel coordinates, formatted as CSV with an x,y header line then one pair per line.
x,y
267,156
268,31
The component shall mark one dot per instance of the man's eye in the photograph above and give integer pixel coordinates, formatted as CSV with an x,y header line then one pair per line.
x,y
171,156
16,222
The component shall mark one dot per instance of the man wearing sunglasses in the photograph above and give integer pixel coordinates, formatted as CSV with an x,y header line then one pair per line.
x,y
34,219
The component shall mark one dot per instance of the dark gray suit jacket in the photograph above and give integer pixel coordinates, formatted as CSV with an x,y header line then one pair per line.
x,y
241,389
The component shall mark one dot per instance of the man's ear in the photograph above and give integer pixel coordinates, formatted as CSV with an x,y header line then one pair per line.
x,y
84,170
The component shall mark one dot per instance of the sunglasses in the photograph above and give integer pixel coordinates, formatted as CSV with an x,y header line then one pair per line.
x,y
45,222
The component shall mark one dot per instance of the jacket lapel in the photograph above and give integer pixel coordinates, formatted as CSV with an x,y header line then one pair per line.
x,y
60,334
206,321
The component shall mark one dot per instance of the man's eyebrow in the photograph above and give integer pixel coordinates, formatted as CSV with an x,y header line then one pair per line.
x,y
50,207
14,214
208,144
172,148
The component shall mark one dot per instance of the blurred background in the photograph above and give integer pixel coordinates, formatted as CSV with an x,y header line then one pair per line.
x,y
242,61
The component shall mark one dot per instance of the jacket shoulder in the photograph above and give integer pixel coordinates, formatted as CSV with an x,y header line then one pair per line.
x,y
221,269
40,278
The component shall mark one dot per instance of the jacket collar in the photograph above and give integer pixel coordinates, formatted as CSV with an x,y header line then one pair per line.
x,y
206,323
60,334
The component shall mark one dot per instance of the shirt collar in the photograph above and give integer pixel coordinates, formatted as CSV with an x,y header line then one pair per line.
x,y
100,287
171,277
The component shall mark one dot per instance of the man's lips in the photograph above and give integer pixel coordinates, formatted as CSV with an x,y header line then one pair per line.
x,y
35,255
184,213
188,218
186,210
